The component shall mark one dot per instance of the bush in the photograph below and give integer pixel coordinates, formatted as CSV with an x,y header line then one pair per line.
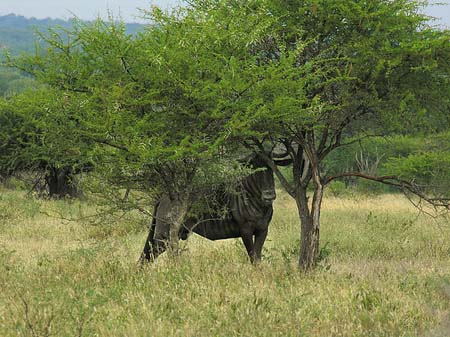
x,y
405,156
338,188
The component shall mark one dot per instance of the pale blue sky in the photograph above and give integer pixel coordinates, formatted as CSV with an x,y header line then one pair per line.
x,y
84,9
90,9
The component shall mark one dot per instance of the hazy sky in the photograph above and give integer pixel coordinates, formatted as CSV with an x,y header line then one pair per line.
x,y
85,9
89,9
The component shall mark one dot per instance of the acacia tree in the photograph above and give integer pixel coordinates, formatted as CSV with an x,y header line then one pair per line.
x,y
355,69
324,74
37,134
147,101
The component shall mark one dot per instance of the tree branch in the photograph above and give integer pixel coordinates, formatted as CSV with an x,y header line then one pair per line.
x,y
105,142
127,69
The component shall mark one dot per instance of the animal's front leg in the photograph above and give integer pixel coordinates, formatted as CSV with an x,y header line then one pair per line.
x,y
260,238
247,238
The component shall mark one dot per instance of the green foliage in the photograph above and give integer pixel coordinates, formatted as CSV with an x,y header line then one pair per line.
x,y
341,63
37,131
420,166
19,35
155,112
337,188
418,158
430,169
246,70
370,153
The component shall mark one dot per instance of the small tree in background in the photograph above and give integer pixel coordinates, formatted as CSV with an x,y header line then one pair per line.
x,y
427,166
38,134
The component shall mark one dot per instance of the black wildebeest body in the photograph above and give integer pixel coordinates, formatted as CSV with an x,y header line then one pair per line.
x,y
248,212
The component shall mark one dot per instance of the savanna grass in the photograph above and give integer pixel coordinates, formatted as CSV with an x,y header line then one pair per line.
x,y
384,271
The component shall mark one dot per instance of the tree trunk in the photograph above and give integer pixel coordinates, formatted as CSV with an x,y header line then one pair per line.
x,y
177,216
305,167
310,226
60,184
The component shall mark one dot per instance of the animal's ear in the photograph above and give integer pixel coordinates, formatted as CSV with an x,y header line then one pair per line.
x,y
283,162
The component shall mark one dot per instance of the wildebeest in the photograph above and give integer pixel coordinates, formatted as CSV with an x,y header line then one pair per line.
x,y
248,213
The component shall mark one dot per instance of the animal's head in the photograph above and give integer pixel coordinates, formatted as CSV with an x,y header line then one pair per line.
x,y
261,182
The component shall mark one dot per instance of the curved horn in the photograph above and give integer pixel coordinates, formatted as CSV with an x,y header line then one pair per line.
x,y
283,162
279,151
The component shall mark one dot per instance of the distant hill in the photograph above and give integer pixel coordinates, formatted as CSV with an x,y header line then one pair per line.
x,y
18,33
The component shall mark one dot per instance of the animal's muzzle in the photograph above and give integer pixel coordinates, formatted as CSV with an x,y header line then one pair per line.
x,y
268,196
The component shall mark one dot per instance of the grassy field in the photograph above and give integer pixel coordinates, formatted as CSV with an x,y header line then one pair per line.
x,y
385,271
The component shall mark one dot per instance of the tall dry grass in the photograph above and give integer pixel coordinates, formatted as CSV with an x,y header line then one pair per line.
x,y
385,271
